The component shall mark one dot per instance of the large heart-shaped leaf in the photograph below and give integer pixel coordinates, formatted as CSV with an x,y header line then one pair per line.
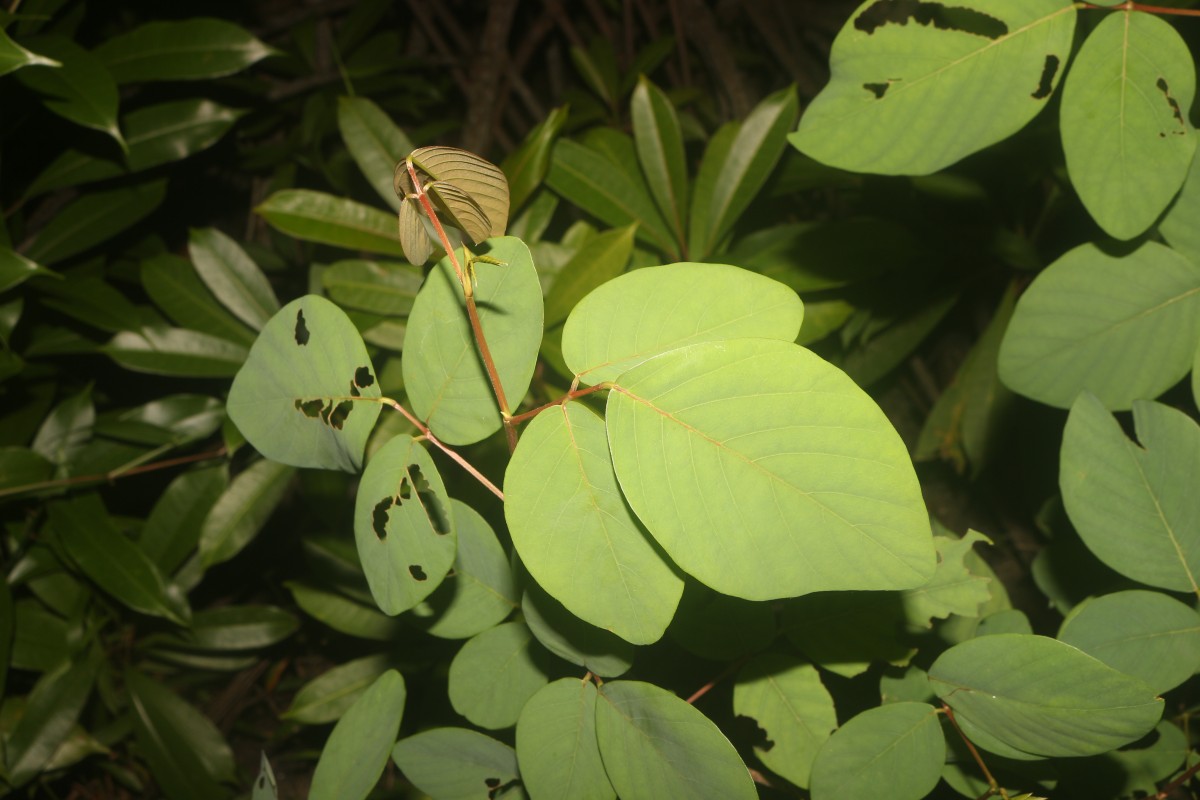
x,y
765,472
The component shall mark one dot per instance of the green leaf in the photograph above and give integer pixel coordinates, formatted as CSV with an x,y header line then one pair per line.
x,y
1090,320
15,268
155,135
304,395
192,49
1041,697
81,90
588,180
1134,507
655,745
343,615
358,748
1149,635
232,276
111,560
89,299
575,534
240,627
556,743
571,639
403,525
966,423
456,763
660,152
380,288
443,374
479,592
846,632
795,481
1132,770
912,92
66,429
716,153
265,787
20,466
1178,224
323,218
41,642
8,624
787,700
721,628
174,286
526,166
896,750
14,57
626,321
602,258
374,142
242,510
94,218
495,673
51,711
187,754
176,351
953,589
327,697
173,527
752,155
1125,130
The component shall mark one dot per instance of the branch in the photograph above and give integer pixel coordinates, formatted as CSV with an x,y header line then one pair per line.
x,y
1131,6
994,786
123,471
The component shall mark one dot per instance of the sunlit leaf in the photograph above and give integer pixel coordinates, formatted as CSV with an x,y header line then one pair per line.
x,y
526,166
176,351
896,76
457,764
81,89
896,750
191,49
660,152
242,509
323,218
327,697
556,743
495,673
358,748
784,455
232,276
375,143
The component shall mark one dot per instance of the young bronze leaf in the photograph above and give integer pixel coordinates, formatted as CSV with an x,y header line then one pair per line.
x,y
478,177
414,240
460,209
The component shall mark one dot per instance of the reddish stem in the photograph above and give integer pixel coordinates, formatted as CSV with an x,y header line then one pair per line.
x,y
110,476
1165,792
725,673
995,787
481,344
566,398
1131,6
428,434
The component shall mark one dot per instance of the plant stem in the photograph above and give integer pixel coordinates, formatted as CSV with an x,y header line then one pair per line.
x,y
1165,792
481,344
725,673
428,434
571,395
1131,6
995,787
120,472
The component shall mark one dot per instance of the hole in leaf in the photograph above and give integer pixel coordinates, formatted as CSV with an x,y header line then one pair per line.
x,y
379,517
363,377
405,489
1046,82
429,501
311,408
262,781
1176,112
336,415
939,15
492,783
877,89
416,571
301,329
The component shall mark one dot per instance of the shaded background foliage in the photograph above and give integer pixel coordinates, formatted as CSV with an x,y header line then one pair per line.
x,y
901,280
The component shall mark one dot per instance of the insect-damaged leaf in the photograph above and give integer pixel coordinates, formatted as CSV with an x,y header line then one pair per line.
x,y
295,397
734,453
916,86
1125,130
403,525
456,763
